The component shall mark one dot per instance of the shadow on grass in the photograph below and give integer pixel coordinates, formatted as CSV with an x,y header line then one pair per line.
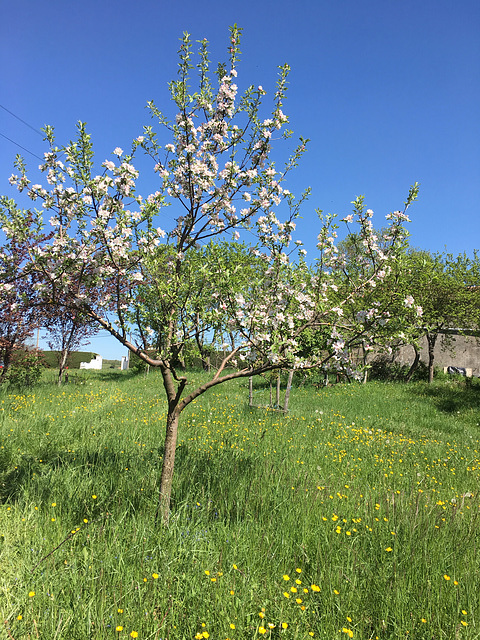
x,y
453,396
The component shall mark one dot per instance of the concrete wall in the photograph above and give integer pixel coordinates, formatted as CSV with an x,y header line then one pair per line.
x,y
450,350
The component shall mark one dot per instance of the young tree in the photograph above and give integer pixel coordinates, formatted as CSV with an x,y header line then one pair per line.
x,y
113,262
67,331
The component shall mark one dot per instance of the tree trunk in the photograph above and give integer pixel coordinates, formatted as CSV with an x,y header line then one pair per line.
x,y
250,391
431,339
415,364
166,478
62,365
288,389
279,380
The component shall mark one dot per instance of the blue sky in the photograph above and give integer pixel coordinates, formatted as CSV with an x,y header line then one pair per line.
x,y
387,91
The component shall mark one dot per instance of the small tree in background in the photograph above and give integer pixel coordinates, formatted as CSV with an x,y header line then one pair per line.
x,y
113,262
67,332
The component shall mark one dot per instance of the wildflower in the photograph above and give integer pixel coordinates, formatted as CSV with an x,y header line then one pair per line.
x,y
134,634
298,570
423,620
464,622
286,578
464,612
286,594
31,594
446,577
120,610
390,549
349,632
207,573
262,630
119,628
337,593
155,576
314,587
284,625
232,626
19,617
94,497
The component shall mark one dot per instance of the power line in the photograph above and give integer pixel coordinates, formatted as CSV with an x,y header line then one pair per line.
x,y
23,121
19,145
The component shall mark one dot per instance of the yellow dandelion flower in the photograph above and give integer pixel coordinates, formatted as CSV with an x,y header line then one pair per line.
x,y
286,594
314,587
207,573
310,633
261,614
286,578
262,631
134,634
31,594
389,549
464,622
298,570
284,625
155,576
337,593
446,577
119,628
293,589
298,600
19,617
232,626
464,612
271,625
232,592
205,634
119,610
423,620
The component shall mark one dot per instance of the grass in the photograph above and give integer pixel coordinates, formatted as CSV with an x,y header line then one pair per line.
x,y
356,515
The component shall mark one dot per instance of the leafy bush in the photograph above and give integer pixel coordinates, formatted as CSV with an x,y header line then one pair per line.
x,y
26,368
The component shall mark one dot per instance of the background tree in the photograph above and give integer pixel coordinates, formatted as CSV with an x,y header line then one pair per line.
x,y
19,311
446,288
68,329
107,250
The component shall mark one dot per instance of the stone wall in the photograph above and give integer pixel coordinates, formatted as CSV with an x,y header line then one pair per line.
x,y
450,350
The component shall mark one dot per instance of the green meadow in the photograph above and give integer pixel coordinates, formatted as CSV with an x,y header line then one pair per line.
x,y
354,516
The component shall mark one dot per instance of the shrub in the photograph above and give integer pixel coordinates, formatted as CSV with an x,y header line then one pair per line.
x,y
26,368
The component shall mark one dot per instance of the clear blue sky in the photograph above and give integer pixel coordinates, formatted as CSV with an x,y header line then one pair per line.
x,y
388,91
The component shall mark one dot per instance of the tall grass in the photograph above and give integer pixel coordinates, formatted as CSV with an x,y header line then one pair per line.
x,y
356,515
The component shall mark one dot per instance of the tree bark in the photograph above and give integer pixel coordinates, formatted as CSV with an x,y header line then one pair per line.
x,y
61,366
279,380
166,478
414,366
288,389
431,339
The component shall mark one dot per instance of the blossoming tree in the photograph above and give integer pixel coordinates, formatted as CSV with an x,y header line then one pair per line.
x,y
112,257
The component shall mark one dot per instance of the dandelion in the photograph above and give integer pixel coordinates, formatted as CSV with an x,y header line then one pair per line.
x,y
286,578
134,634
337,593
94,497
155,576
262,631
298,570
446,577
284,625
423,620
314,587
390,549
464,622
286,594
232,626
349,632
85,520
31,594
464,612
207,573
119,628
120,610
19,617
